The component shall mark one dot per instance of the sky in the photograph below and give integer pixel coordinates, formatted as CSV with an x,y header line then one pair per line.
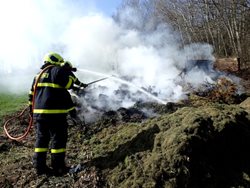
x,y
108,7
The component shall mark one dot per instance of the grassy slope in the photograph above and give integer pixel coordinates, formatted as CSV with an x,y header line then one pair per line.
x,y
10,103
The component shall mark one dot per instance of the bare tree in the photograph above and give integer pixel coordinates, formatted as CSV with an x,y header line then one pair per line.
x,y
224,24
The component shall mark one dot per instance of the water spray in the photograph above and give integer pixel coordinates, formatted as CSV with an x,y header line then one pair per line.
x,y
113,77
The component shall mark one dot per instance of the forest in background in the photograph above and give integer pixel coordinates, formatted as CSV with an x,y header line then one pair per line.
x,y
224,24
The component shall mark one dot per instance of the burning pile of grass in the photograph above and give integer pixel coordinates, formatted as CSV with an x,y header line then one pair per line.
x,y
223,91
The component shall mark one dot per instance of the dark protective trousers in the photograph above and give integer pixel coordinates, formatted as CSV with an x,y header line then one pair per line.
x,y
53,131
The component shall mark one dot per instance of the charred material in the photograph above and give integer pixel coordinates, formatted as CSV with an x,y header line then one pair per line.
x,y
200,64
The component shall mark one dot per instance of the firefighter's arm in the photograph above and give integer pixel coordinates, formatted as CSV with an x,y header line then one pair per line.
x,y
77,82
68,66
67,79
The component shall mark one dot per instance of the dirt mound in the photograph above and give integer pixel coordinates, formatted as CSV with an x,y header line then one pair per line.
x,y
193,147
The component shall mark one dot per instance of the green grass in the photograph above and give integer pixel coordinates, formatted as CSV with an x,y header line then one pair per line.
x,y
10,103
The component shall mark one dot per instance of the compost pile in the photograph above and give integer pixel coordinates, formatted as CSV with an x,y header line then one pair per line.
x,y
202,141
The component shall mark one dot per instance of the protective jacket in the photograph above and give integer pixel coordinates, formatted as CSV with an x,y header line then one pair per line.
x,y
51,105
52,96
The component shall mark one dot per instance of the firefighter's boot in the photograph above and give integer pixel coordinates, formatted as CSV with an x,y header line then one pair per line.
x,y
39,162
58,164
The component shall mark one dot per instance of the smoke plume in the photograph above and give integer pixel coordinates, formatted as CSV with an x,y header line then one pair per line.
x,y
151,60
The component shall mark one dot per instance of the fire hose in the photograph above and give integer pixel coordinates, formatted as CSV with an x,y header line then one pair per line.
x,y
31,119
33,101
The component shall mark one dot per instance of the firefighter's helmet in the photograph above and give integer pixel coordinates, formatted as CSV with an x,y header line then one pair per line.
x,y
53,58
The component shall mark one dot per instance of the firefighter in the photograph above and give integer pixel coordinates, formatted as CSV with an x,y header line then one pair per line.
x,y
52,102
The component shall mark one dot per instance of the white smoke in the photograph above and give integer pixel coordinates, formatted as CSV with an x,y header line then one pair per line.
x,y
151,60
29,29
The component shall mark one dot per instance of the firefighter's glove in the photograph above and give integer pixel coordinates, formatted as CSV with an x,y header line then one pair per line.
x,y
83,85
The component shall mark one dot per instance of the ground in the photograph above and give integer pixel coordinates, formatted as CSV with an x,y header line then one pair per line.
x,y
199,142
